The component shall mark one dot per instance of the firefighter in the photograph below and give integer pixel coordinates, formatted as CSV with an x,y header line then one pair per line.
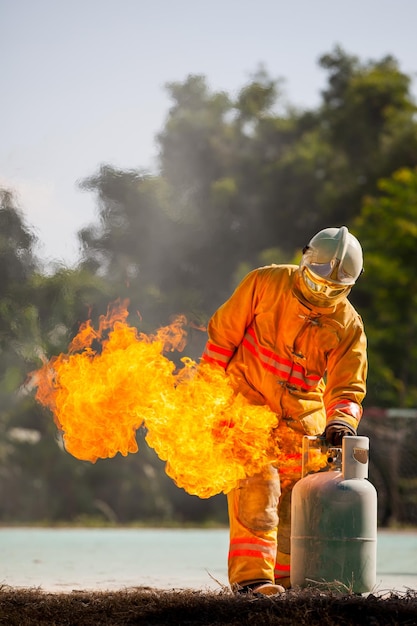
x,y
289,338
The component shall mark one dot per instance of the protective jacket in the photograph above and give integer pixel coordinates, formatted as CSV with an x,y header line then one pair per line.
x,y
307,363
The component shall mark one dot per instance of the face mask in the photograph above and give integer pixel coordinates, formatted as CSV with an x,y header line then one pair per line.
x,y
322,292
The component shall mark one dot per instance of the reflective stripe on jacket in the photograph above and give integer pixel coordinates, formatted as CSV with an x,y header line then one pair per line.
x,y
307,363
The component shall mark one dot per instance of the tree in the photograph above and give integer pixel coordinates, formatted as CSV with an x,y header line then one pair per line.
x,y
387,292
17,319
364,130
362,105
17,266
368,117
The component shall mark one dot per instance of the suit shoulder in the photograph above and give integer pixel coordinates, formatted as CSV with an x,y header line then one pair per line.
x,y
277,272
350,313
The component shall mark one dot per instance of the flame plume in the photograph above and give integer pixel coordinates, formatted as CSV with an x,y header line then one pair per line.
x,y
209,437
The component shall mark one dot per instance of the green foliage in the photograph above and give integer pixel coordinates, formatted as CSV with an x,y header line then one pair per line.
x,y
17,265
387,228
361,104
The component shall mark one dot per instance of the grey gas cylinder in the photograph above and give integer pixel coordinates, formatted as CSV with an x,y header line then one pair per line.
x,y
334,523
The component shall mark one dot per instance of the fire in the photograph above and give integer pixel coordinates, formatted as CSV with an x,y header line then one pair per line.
x,y
209,437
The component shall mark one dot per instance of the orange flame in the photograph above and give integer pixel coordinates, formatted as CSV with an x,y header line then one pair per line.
x,y
209,437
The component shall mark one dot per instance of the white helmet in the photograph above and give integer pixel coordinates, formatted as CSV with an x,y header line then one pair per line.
x,y
330,266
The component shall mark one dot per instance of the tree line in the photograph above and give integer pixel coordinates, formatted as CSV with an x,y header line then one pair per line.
x,y
242,181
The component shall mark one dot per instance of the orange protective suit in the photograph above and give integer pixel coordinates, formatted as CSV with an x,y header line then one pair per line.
x,y
309,365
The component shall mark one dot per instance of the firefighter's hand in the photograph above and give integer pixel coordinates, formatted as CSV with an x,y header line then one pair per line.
x,y
334,433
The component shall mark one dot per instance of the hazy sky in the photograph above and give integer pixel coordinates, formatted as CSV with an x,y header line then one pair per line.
x,y
83,80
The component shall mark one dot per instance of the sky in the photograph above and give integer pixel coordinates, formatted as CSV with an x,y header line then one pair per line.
x,y
83,82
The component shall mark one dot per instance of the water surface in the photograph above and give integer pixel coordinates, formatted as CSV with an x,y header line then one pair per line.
x,y
110,559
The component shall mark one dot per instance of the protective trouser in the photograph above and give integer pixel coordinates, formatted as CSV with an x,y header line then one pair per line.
x,y
260,528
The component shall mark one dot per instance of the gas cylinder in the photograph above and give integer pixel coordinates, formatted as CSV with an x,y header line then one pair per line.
x,y
334,522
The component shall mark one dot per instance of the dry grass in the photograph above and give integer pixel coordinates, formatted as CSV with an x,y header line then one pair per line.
x,y
152,607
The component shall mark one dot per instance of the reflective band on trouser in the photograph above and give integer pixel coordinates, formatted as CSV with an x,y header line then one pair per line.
x,y
251,560
288,371
282,568
347,406
252,548
216,354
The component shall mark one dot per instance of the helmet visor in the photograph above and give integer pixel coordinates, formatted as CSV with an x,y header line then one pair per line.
x,y
333,270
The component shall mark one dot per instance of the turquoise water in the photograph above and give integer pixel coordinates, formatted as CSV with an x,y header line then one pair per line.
x,y
110,559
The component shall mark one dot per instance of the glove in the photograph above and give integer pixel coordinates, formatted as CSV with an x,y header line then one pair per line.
x,y
335,432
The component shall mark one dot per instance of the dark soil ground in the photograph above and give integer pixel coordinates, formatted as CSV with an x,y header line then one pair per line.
x,y
152,607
